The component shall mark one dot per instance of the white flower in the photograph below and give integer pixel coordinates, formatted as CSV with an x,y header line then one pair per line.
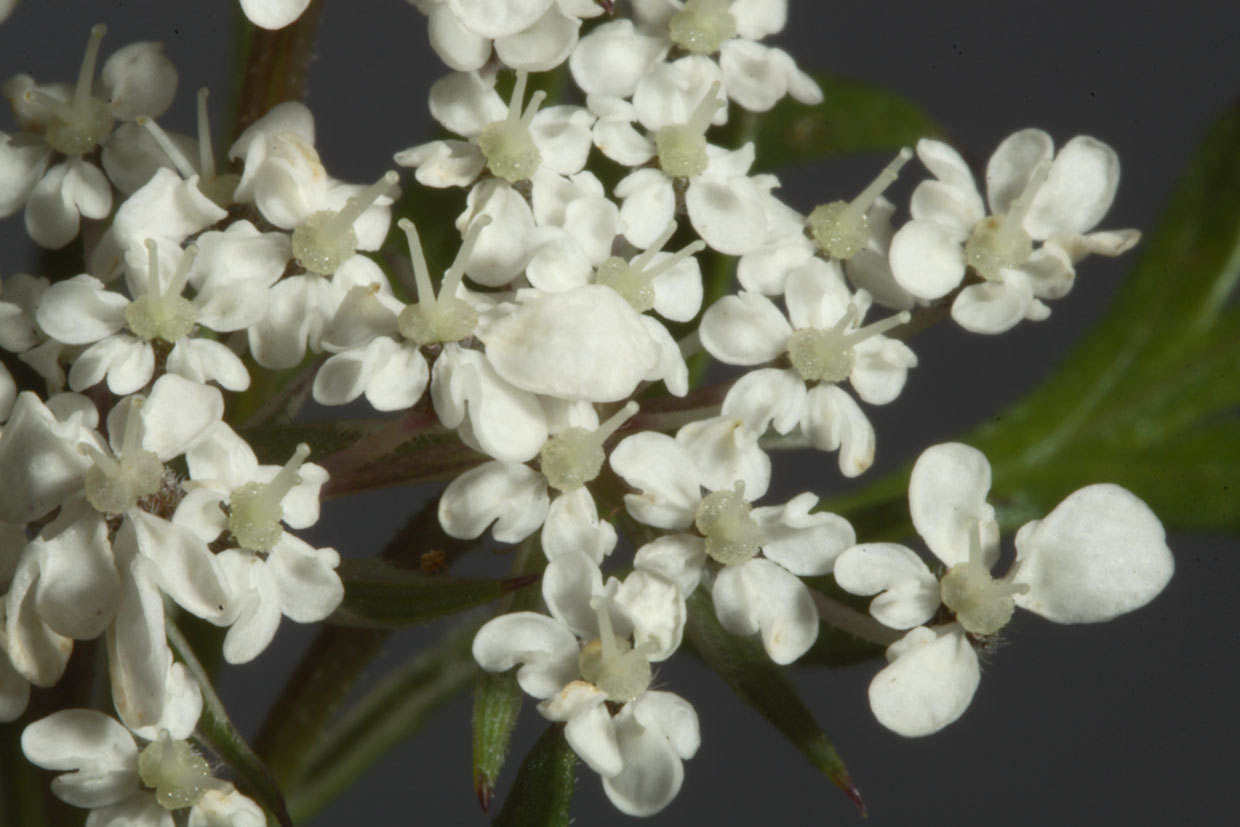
x,y
535,35
137,779
581,659
1032,198
826,345
1099,554
136,80
269,571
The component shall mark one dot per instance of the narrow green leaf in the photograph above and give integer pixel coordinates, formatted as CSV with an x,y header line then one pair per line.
x,y
542,794
853,117
1147,399
393,711
744,665
497,701
216,732
380,595
497,698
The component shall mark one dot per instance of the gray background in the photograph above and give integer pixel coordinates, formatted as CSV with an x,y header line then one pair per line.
x,y
1128,722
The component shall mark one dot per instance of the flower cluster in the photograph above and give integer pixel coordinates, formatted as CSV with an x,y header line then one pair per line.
x,y
567,301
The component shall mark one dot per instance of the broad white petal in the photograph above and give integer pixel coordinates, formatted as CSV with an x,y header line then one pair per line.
x,y
724,450
804,542
680,558
1010,167
909,591
99,753
546,651
745,329
1099,554
767,397
573,525
652,773
925,259
1077,192
78,587
663,472
929,682
760,596
947,501
656,607
508,494
310,589
833,421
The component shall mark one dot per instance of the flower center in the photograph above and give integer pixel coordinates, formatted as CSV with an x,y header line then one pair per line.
x,y
575,456
702,26
634,280
159,313
326,239
507,144
982,604
114,486
682,147
731,534
443,318
999,242
175,772
611,663
78,126
841,228
828,355
254,509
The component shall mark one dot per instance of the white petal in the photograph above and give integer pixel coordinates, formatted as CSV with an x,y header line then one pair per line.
x,y
138,654
745,329
648,204
587,344
662,470
36,652
727,214
509,494
67,192
465,103
178,415
680,558
1101,553
206,360
78,587
947,501
140,80
804,543
674,717
21,168
100,753
656,607
273,14
613,57
724,450
910,592
925,260
310,588
1077,192
997,306
80,311
255,606
457,46
443,164
545,649
496,18
185,569
761,596
568,584
399,378
928,684
652,773
767,397
502,249
562,135
540,47
589,731
573,525
1012,165
833,421
504,422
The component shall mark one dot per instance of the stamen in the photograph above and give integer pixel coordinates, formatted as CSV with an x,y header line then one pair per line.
x,y
432,320
842,229
575,456
86,75
174,153
159,313
206,153
507,144
634,281
326,239
255,511
78,126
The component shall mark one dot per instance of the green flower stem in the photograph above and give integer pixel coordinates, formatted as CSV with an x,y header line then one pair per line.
x,y
272,66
